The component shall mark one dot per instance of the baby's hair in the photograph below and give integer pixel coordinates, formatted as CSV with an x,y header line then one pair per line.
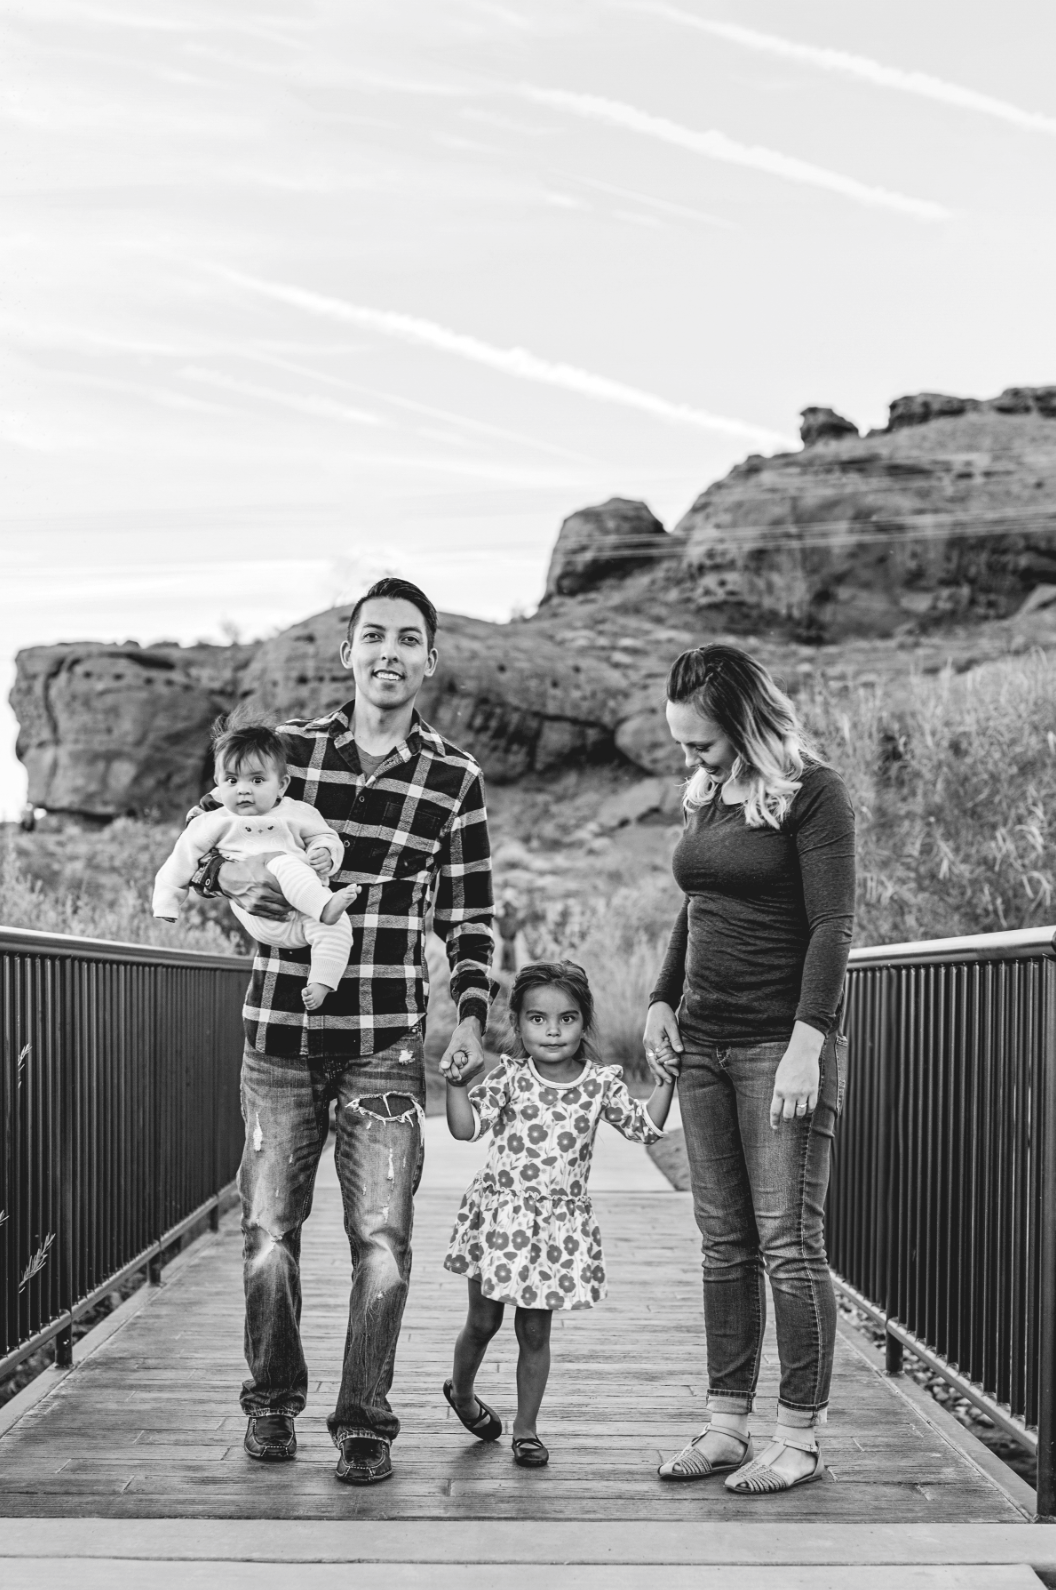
x,y
234,744
565,975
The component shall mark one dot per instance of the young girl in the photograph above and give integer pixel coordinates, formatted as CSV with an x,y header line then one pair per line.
x,y
526,1233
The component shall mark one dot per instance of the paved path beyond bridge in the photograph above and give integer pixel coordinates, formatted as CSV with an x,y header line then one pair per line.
x,y
148,1428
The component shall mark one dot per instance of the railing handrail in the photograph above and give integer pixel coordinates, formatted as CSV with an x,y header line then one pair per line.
x,y
1016,944
28,941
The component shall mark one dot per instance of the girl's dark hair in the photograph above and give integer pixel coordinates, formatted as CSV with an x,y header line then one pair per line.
x,y
235,743
565,975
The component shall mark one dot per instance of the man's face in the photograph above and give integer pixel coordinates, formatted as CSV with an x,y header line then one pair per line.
x,y
389,653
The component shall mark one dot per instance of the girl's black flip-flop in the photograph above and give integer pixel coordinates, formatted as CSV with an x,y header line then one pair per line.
x,y
530,1452
487,1426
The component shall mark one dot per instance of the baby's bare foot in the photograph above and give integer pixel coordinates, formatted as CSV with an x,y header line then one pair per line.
x,y
338,903
313,995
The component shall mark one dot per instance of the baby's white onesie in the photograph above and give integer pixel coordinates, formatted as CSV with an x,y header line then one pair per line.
x,y
292,828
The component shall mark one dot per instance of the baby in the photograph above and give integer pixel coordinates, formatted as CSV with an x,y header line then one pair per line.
x,y
257,818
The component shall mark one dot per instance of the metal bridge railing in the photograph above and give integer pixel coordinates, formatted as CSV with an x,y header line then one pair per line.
x,y
119,1115
942,1208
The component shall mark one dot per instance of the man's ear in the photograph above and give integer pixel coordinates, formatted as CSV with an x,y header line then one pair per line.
x,y
345,654
430,667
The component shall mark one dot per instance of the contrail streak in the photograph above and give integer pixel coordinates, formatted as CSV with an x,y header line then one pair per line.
x,y
517,362
866,69
716,146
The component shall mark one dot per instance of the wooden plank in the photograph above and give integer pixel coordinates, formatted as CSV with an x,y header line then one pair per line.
x,y
149,1426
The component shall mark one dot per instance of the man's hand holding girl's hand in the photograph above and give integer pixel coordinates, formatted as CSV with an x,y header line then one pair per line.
x,y
463,1059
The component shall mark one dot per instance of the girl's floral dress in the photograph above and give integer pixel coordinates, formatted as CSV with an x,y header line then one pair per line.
x,y
526,1229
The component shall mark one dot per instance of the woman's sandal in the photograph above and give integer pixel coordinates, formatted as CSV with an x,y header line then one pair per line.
x,y
761,1479
487,1426
691,1464
530,1452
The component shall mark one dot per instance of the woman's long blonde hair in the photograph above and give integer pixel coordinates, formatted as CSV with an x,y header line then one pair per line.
x,y
726,685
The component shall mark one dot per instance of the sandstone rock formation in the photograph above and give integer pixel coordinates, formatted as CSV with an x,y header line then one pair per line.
x,y
106,731
599,544
911,546
948,514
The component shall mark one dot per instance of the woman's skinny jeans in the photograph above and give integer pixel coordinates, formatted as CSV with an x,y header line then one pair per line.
x,y
758,1198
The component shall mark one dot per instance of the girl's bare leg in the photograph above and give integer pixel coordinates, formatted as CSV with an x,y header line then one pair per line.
x,y
482,1321
533,1365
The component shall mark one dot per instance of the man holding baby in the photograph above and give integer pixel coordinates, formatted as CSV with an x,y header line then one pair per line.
x,y
410,808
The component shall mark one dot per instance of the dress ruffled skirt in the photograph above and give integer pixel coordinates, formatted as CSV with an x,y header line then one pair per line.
x,y
530,1247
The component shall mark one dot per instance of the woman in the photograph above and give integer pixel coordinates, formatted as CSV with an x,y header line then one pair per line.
x,y
755,967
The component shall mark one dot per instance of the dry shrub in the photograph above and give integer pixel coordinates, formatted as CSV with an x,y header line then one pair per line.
x,y
953,777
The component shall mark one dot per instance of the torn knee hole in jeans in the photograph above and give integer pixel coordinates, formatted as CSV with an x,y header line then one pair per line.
x,y
388,1107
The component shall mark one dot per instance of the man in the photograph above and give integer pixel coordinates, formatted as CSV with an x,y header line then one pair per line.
x,y
410,807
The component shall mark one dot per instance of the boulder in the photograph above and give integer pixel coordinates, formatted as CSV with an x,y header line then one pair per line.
x,y
630,805
824,425
596,545
109,731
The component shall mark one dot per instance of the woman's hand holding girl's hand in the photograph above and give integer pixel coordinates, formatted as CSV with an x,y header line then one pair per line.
x,y
798,1076
663,1042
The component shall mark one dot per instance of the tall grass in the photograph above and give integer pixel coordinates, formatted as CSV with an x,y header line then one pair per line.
x,y
954,782
97,884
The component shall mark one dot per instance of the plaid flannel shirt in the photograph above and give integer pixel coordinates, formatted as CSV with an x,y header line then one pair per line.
x,y
416,827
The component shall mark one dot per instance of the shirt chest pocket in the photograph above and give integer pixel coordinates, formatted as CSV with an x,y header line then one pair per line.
x,y
414,847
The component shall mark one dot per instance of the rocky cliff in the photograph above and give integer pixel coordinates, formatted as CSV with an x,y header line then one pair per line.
x,y
948,514
932,540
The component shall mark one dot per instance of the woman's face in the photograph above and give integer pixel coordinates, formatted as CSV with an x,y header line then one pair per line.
x,y
703,742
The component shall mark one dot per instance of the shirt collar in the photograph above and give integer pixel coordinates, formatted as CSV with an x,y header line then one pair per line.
x,y
419,736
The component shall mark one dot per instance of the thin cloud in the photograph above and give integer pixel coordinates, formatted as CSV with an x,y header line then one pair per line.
x,y
667,206
716,146
517,362
321,408
476,427
866,70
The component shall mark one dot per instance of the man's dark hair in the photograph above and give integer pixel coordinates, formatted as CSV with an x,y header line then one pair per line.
x,y
397,590
235,743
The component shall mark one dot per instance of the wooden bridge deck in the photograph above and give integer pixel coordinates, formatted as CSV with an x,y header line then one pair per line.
x,y
149,1425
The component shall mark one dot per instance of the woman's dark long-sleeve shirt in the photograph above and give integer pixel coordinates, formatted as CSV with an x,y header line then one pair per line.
x,y
762,939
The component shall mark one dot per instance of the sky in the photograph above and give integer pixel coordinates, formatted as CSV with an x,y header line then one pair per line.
x,y
294,294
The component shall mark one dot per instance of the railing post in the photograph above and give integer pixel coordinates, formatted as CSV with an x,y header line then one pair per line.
x,y
64,1348
894,1353
1046,1499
